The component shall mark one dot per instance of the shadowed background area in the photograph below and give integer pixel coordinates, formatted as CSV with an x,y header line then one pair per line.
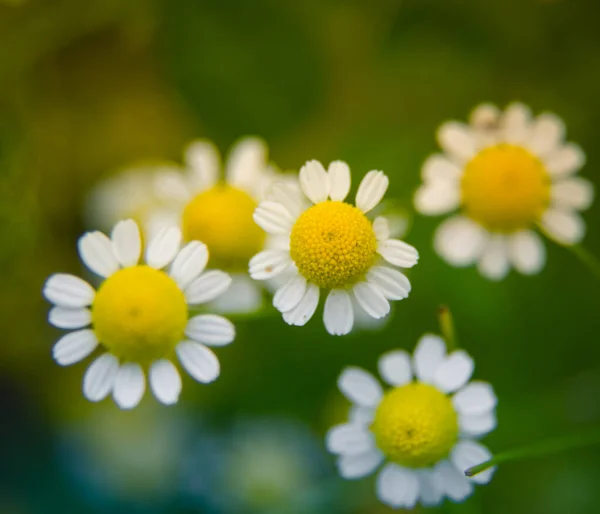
x,y
89,88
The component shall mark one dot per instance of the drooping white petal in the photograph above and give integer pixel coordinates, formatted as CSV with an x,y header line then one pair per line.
x,y
493,262
69,318
398,253
243,296
573,193
371,299
430,492
564,226
210,329
68,291
268,264
393,284
338,315
314,181
189,263
360,387
349,439
457,140
339,180
199,361
163,247
435,198
475,398
429,354
127,243
477,425
361,415
288,195
516,123
129,385
245,163
75,346
207,287
454,484
438,168
99,378
202,157
381,228
565,161
301,314
467,454
371,190
398,486
352,467
289,295
274,218
454,372
394,367
460,241
165,381
96,251
547,133
527,252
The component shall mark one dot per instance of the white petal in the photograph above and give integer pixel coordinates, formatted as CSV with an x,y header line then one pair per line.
x,y
475,398
485,117
96,251
68,291
437,198
398,253
165,381
129,386
361,415
477,425
395,368
289,295
429,354
371,299
339,180
163,247
360,387
381,228
371,190
243,296
338,315
459,241
301,314
127,243
288,195
273,218
454,484
189,263
207,287
171,186
268,264
516,123
393,284
547,132
563,226
398,486
210,329
467,454
69,318
438,168
430,492
494,263
527,252
199,361
246,162
565,160
358,466
99,378
454,372
457,140
203,159
314,181
73,347
573,193
349,439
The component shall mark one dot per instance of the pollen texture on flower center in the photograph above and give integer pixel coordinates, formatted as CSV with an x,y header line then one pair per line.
x,y
415,425
221,218
139,314
505,188
333,244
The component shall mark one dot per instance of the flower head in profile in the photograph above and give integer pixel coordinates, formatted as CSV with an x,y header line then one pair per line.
x,y
507,173
423,428
139,315
322,242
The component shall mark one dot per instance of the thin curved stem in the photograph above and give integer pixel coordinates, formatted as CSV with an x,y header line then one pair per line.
x,y
447,328
590,260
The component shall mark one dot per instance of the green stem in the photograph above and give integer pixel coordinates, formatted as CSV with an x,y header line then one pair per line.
x,y
447,327
547,447
585,256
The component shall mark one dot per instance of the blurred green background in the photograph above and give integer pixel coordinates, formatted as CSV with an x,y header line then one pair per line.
x,y
87,88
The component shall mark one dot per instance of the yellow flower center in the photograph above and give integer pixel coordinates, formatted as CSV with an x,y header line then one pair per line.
x,y
139,314
415,425
505,188
221,218
333,244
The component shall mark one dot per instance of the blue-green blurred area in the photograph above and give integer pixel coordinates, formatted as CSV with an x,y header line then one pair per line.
x,y
90,87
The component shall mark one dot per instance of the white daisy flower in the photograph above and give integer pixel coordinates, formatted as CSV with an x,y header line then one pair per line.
x,y
423,429
139,314
507,173
321,242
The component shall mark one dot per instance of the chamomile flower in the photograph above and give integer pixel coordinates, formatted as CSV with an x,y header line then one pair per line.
x,y
508,174
324,243
139,315
424,427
